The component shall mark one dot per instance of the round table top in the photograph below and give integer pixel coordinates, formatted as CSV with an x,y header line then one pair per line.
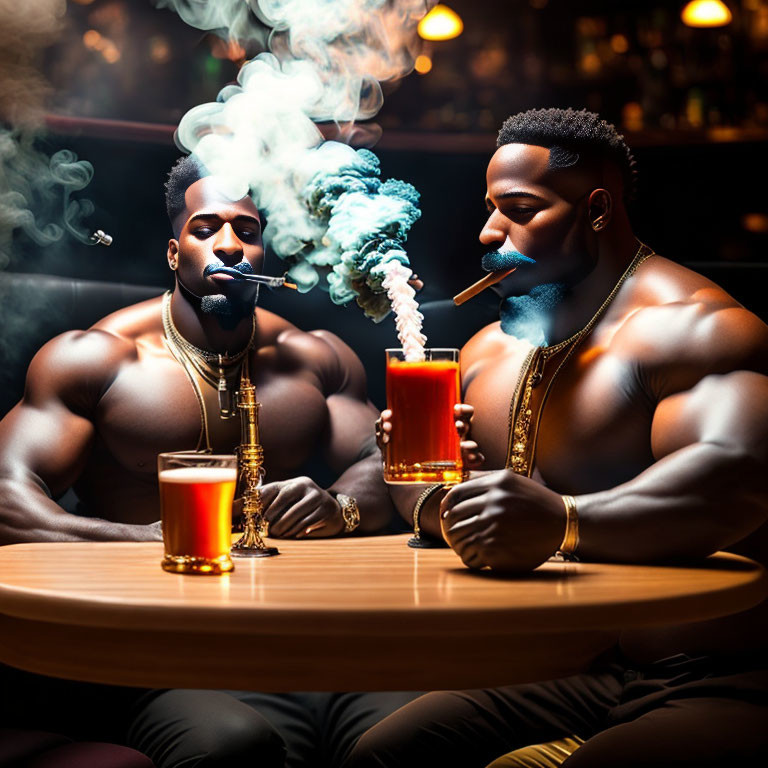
x,y
340,614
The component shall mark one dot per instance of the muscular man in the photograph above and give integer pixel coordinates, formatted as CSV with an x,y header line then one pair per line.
x,y
638,389
99,406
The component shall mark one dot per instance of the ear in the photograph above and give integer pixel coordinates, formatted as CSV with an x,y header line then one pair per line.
x,y
173,254
600,209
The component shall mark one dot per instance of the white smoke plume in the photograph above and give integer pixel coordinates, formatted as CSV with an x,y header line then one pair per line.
x,y
408,319
34,188
331,217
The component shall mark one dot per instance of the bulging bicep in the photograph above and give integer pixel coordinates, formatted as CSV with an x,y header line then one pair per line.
x,y
728,410
46,442
48,435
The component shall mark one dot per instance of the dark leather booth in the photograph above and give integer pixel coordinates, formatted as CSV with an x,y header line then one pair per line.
x,y
35,308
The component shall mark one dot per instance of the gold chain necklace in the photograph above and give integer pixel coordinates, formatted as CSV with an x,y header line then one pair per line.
x,y
519,458
192,358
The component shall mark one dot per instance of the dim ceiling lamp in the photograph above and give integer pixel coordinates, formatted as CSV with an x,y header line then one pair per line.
x,y
706,13
441,23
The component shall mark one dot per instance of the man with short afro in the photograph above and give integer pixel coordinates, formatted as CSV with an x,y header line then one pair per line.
x,y
620,415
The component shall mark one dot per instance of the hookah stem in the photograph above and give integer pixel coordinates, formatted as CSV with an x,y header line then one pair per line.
x,y
251,460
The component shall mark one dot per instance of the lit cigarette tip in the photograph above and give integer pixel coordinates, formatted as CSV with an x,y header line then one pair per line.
x,y
486,282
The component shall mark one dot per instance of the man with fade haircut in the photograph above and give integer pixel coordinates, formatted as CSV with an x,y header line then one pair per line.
x,y
100,405
636,396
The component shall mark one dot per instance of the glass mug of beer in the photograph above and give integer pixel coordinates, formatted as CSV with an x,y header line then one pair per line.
x,y
196,494
424,445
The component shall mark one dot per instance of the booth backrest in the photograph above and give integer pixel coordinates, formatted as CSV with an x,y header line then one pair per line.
x,y
35,308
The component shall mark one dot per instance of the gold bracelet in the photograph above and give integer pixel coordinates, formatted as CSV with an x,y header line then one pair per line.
x,y
349,512
571,538
426,494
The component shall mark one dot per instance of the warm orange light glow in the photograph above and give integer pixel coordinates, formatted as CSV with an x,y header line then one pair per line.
x,y
423,64
619,44
92,40
590,63
159,50
706,13
227,49
441,23
632,116
755,222
110,53
95,41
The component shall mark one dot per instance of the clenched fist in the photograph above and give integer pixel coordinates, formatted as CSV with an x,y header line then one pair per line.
x,y
504,521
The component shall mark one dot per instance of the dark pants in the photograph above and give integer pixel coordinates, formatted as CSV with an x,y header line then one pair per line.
x,y
199,728
677,712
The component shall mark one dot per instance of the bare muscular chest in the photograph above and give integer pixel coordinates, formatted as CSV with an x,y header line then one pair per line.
x,y
595,426
152,407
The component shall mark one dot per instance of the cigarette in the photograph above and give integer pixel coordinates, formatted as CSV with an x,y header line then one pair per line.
x,y
490,279
249,277
272,282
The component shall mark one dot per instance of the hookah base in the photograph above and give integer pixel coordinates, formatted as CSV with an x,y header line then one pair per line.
x,y
254,552
419,542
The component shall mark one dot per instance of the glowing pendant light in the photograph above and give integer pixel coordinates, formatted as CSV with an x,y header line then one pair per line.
x,y
441,23
706,13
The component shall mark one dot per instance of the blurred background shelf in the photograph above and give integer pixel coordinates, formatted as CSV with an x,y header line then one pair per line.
x,y
407,141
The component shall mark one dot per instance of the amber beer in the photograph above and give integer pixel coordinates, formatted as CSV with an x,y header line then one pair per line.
x,y
424,444
196,494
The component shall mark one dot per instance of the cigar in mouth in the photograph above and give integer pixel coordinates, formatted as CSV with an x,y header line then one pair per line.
x,y
498,264
250,277
486,282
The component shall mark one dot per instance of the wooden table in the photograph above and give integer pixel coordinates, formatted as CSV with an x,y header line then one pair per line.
x,y
343,614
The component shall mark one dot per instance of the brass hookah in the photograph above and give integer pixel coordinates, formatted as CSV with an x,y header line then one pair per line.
x,y
250,463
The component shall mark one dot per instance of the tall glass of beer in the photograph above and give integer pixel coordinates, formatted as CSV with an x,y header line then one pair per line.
x,y
196,494
423,446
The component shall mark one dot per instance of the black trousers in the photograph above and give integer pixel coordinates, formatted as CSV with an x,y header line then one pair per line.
x,y
199,728
680,711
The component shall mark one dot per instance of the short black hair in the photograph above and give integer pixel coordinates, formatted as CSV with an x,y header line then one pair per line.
x,y
570,134
185,172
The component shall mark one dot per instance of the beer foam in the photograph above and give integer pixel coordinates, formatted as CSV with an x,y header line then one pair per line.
x,y
198,475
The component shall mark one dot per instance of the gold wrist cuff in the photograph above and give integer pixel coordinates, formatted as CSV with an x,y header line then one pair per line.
x,y
426,494
571,539
349,512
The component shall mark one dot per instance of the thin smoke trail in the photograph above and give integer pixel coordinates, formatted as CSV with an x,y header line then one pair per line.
x,y
35,189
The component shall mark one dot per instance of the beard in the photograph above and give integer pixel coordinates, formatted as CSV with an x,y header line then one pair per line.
x,y
529,317
228,310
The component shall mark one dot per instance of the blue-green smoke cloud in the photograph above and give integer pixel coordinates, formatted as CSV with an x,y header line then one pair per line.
x,y
331,217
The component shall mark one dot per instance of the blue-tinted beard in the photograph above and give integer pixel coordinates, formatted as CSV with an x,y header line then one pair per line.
x,y
229,311
529,317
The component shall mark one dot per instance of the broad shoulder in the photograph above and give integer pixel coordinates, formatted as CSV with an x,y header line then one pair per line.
x,y
680,323
77,367
133,322
490,343
321,352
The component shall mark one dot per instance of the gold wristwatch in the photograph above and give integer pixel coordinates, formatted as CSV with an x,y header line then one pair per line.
x,y
349,512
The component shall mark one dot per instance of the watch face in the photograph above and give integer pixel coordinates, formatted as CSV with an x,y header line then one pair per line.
x,y
349,512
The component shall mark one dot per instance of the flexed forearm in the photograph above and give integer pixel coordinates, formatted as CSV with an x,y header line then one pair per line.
x,y
693,502
28,514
